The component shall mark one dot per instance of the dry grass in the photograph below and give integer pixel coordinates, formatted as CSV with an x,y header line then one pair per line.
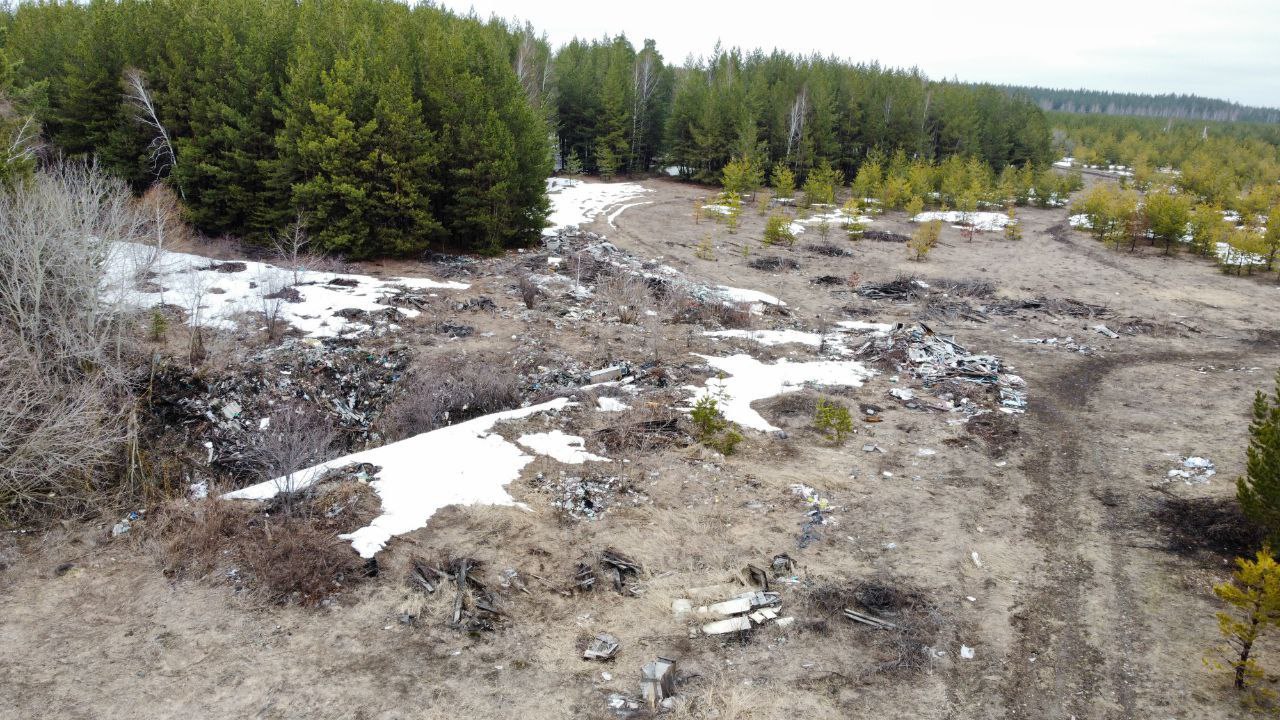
x,y
283,560
451,389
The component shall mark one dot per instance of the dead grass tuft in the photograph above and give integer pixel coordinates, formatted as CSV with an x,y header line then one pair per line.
x,y
284,560
451,389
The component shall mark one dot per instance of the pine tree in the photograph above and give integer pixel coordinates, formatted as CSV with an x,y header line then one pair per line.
x,y
1254,592
1259,489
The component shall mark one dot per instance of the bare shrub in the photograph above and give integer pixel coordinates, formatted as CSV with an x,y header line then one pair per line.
x,y
624,294
290,560
452,389
66,399
529,291
297,436
716,314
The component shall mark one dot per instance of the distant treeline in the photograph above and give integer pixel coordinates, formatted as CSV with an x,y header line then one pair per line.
x,y
1180,107
1232,164
385,129
613,104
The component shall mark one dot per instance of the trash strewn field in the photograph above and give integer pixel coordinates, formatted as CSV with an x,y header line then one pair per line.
x,y
979,486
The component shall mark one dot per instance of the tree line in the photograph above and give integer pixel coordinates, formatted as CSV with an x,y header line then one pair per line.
x,y
384,128
1234,165
1170,105
380,127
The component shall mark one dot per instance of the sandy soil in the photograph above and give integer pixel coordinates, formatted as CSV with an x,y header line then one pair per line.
x,y
1077,610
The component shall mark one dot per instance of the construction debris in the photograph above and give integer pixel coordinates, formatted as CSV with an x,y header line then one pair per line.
x,y
622,568
918,350
348,382
1104,330
602,647
474,607
424,577
871,620
657,681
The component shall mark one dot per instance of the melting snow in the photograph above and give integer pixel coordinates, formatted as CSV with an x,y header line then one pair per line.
x,y
574,202
465,463
733,294
568,449
747,380
614,215
608,404
833,341
982,221
192,281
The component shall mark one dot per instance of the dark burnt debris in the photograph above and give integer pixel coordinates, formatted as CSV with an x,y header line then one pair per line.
x,y
222,410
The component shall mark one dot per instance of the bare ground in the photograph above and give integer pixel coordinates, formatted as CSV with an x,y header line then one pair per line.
x,y
1078,610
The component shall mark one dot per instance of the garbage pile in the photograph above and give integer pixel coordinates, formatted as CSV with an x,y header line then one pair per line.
x,y
346,381
1193,470
587,498
919,351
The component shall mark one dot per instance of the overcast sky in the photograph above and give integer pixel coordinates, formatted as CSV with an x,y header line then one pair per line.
x,y
1227,49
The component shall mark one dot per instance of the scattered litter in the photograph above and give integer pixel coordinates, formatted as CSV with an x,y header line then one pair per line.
x,y
966,652
1104,330
1194,470
1068,343
976,560
602,647
622,568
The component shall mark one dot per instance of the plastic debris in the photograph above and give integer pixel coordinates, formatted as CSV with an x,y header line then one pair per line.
x,y
602,647
966,652
1193,470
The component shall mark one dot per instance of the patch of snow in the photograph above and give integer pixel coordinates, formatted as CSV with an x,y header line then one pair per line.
x,y
833,341
746,380
608,404
982,221
741,295
568,449
863,326
770,338
462,464
213,298
1080,221
614,215
574,202
1065,162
